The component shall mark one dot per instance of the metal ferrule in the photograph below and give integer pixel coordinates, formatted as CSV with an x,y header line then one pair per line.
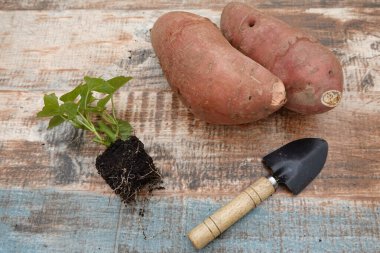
x,y
273,181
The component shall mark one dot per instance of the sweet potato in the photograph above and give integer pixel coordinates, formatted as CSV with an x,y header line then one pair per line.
x,y
218,83
311,73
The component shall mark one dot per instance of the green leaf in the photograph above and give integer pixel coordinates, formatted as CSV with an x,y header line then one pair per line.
x,y
90,98
101,105
125,129
47,113
51,107
51,101
55,121
86,98
86,110
99,85
105,129
72,95
119,81
70,109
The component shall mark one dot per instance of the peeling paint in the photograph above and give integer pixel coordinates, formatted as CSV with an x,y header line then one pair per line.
x,y
46,220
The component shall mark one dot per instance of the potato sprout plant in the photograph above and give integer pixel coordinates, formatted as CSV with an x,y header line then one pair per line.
x,y
124,165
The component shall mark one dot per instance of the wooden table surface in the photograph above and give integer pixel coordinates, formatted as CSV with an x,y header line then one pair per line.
x,y
53,200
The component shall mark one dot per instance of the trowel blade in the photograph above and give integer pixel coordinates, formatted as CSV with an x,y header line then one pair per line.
x,y
297,163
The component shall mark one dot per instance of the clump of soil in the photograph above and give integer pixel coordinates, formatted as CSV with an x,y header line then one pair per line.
x,y
128,169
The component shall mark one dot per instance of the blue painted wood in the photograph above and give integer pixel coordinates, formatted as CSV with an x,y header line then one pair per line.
x,y
62,221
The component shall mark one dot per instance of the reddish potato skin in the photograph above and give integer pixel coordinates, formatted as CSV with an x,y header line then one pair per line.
x,y
218,83
311,73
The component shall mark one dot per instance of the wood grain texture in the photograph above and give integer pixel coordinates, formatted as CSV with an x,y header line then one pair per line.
x,y
165,4
49,187
230,213
69,221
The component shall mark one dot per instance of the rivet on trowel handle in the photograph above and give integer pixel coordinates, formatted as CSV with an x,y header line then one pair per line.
x,y
226,216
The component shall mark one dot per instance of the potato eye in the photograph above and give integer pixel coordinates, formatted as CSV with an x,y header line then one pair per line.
x,y
251,22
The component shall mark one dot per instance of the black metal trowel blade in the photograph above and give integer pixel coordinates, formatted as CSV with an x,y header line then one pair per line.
x,y
297,163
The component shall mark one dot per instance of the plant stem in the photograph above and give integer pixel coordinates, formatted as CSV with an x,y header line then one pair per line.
x,y
114,116
89,126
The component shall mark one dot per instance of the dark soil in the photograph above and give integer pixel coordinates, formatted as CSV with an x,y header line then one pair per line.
x,y
128,169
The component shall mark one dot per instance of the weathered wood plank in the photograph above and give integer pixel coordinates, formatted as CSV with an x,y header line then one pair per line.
x,y
69,221
36,57
164,4
196,158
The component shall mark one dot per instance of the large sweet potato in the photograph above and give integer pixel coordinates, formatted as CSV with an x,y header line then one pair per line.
x,y
218,83
311,73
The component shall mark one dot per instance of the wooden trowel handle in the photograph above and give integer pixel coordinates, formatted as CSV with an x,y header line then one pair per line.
x,y
226,216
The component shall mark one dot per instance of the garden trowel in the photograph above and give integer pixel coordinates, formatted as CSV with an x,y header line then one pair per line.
x,y
294,165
